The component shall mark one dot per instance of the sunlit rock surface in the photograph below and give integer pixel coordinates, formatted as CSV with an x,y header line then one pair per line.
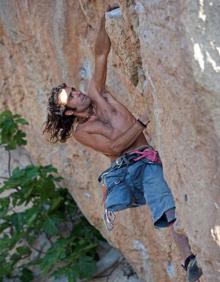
x,y
165,58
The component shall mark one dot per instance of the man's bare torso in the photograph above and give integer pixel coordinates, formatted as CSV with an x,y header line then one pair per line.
x,y
111,120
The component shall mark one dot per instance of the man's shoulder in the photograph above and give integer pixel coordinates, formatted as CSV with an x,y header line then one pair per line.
x,y
80,127
80,132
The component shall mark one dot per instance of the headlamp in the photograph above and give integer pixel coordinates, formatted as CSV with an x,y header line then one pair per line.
x,y
63,97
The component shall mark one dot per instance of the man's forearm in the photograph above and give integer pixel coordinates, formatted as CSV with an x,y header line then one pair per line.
x,y
103,43
127,138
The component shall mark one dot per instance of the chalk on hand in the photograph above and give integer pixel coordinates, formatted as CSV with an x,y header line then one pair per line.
x,y
115,13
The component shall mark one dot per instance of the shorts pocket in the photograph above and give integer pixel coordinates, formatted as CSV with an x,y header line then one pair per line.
x,y
119,196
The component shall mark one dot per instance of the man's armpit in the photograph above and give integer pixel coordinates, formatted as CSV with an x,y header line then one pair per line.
x,y
93,91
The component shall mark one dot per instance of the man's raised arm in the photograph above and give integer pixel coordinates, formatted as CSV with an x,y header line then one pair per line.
x,y
102,49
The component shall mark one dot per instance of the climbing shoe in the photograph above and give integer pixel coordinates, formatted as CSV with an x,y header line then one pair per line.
x,y
193,271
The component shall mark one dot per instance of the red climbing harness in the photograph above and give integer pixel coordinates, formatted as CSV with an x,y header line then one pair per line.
x,y
149,154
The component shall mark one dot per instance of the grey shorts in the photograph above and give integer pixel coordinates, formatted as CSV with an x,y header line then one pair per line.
x,y
138,183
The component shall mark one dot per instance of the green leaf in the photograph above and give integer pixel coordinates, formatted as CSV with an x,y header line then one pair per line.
x,y
6,269
55,254
67,271
11,145
15,116
4,204
27,275
5,244
23,250
72,274
87,266
48,169
19,138
46,188
3,226
55,204
5,115
32,172
17,220
49,227
21,121
31,215
15,257
10,134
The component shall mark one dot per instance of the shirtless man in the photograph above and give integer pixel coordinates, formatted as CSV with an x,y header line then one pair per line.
x,y
97,120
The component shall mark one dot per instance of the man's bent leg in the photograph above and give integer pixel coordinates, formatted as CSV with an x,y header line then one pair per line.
x,y
194,272
161,203
182,243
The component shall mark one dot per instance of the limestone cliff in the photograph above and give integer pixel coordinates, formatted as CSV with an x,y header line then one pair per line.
x,y
165,57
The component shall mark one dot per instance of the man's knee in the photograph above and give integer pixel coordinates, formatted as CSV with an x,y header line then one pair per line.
x,y
177,227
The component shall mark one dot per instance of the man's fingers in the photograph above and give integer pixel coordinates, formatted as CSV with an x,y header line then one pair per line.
x,y
112,7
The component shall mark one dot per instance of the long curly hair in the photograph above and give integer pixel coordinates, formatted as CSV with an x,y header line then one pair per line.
x,y
58,125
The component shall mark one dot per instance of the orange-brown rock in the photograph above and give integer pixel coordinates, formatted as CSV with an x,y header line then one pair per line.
x,y
168,61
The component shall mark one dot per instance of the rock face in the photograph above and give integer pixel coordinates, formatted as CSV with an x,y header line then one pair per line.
x,y
166,58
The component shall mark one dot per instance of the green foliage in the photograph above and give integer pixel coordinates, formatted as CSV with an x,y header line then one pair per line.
x,y
10,134
38,205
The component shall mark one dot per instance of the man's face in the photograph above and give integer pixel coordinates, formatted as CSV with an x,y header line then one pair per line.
x,y
74,99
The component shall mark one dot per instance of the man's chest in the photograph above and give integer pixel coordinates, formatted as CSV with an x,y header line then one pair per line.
x,y
112,118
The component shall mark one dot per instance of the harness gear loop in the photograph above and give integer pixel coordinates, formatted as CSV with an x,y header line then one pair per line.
x,y
109,218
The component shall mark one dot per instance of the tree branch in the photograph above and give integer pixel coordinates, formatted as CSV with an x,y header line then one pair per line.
x,y
3,177
9,163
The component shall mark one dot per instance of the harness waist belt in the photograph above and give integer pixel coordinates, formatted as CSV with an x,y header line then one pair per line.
x,y
145,152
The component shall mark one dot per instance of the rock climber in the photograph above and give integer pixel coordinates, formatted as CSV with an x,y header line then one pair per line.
x,y
135,177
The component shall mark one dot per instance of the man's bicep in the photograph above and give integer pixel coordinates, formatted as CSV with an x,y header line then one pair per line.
x,y
100,72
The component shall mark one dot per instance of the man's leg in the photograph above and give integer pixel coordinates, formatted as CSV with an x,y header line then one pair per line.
x,y
182,243
160,200
194,272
